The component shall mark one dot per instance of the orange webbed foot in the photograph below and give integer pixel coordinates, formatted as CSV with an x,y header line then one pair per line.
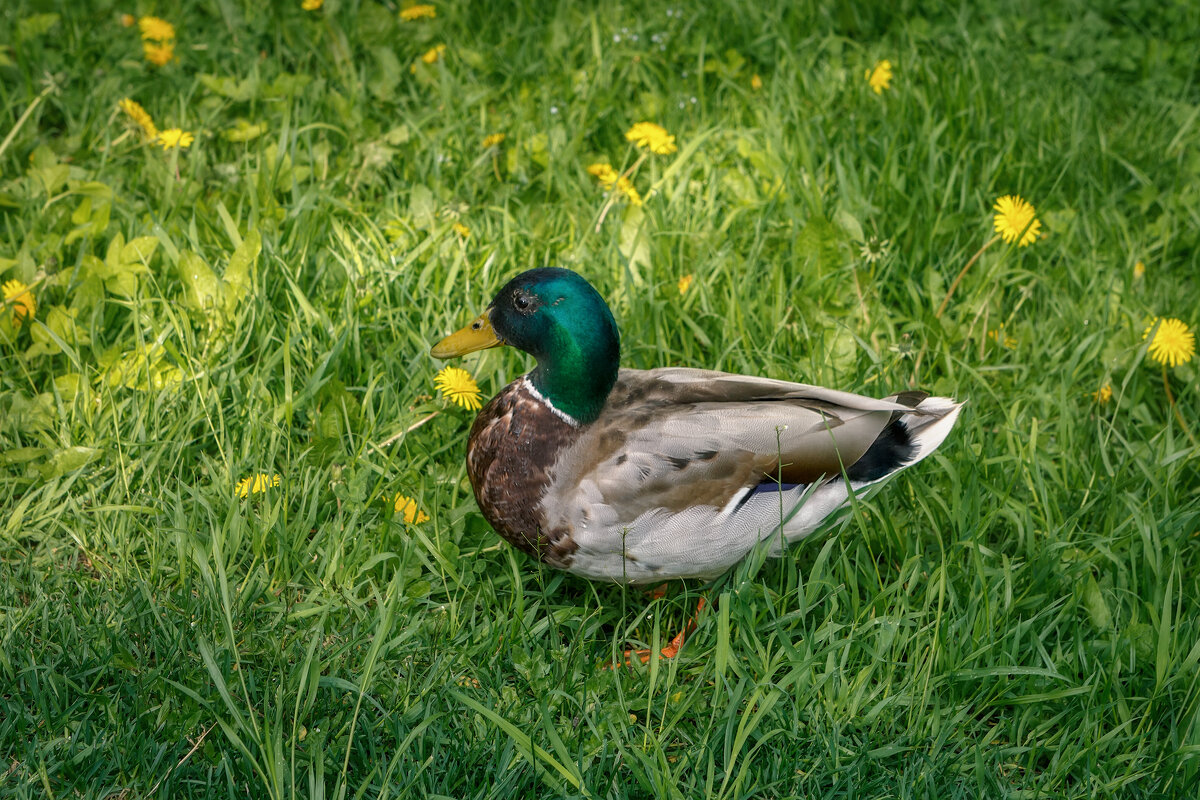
x,y
670,651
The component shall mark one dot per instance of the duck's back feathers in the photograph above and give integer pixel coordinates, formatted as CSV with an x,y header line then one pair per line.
x,y
674,438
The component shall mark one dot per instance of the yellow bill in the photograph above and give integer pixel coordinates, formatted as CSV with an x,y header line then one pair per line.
x,y
476,336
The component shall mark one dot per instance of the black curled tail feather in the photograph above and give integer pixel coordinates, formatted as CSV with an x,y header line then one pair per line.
x,y
891,450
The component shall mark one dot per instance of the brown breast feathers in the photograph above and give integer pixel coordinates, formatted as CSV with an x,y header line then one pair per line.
x,y
513,445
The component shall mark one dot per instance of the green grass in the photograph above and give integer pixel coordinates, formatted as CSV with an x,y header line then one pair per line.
x,y
1017,617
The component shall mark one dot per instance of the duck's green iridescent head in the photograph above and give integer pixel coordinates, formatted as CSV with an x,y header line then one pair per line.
x,y
558,318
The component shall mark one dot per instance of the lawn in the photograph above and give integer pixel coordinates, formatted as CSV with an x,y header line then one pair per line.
x,y
239,554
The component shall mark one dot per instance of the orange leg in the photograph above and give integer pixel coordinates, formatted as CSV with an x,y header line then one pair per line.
x,y
672,648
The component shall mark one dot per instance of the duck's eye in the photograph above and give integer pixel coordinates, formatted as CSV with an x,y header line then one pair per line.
x,y
522,302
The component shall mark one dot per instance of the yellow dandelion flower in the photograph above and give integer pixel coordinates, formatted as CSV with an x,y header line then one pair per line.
x,y
17,295
423,11
756,82
610,178
493,139
408,507
651,136
880,76
159,54
1000,337
1139,271
457,386
462,230
312,5
604,173
685,283
1103,394
255,484
127,20
156,29
1015,220
174,137
433,54
139,115
1173,343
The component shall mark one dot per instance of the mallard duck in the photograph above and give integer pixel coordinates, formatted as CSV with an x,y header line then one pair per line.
x,y
644,475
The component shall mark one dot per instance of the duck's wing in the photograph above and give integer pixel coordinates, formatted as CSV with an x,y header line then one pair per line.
x,y
676,438
703,449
